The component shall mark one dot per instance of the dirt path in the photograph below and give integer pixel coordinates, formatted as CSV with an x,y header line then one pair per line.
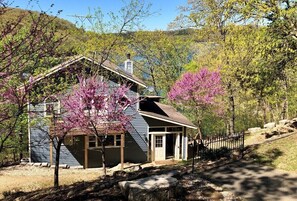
x,y
254,182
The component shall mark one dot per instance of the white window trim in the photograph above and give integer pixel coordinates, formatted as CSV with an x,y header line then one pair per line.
x,y
58,106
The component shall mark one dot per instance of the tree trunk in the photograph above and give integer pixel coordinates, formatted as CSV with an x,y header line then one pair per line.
x,y
57,162
103,156
199,133
231,109
285,109
21,146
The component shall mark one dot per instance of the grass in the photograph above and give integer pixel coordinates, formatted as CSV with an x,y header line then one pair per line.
x,y
281,153
29,178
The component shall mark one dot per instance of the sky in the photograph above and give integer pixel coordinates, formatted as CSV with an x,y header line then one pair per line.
x,y
165,10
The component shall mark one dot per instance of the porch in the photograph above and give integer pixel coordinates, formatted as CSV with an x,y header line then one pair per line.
x,y
167,143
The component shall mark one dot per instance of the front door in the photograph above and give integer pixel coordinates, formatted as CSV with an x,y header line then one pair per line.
x,y
159,145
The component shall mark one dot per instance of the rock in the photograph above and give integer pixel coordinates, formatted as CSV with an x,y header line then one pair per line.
x,y
283,130
45,164
154,188
269,125
63,166
284,122
292,123
25,160
120,173
254,130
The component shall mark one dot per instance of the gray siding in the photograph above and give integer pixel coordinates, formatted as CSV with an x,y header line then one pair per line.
x,y
138,129
39,146
72,155
135,145
40,143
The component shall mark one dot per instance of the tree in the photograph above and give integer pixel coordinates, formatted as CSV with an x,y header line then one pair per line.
x,y
96,108
108,38
198,92
23,50
213,18
162,56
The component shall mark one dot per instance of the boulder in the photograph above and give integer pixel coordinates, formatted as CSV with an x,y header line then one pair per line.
x,y
269,125
254,130
284,122
154,188
292,123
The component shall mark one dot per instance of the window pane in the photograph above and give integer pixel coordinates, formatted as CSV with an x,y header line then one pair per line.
x,y
92,141
118,140
172,129
109,140
159,141
157,129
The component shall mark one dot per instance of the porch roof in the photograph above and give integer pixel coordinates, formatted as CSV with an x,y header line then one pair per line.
x,y
165,113
81,132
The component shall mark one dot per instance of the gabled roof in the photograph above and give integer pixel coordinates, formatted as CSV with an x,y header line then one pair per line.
x,y
108,65
165,113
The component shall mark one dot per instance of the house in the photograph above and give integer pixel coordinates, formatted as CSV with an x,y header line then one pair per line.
x,y
157,131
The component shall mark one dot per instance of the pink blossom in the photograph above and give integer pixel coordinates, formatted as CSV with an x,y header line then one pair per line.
x,y
200,88
93,104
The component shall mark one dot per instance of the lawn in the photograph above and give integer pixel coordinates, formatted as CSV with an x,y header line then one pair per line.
x,y
281,153
29,178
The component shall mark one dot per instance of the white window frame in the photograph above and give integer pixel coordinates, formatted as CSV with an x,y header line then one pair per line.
x,y
56,106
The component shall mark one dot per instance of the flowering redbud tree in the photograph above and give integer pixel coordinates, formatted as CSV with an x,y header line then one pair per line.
x,y
23,49
198,92
97,108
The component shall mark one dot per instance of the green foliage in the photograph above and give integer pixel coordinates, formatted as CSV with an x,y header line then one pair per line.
x,y
74,36
160,57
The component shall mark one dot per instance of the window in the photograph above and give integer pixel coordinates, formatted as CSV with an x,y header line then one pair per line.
x,y
159,141
92,141
157,129
174,129
124,101
110,141
118,140
51,106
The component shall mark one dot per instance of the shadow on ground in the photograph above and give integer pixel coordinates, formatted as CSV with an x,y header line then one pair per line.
x,y
253,181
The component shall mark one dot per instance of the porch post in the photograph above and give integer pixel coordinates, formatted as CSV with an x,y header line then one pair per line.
x,y
122,150
152,148
177,146
186,146
86,155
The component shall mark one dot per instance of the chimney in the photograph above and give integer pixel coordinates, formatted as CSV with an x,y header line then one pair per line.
x,y
129,64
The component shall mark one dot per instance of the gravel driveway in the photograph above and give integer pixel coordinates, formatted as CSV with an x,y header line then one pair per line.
x,y
254,182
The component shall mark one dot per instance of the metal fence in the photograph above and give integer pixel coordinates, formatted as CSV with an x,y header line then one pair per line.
x,y
215,147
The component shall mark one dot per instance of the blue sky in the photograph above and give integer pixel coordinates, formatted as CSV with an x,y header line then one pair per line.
x,y
166,10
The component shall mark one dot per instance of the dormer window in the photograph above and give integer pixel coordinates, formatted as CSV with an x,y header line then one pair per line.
x,y
51,106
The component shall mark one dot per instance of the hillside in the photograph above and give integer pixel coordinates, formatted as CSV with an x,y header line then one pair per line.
x,y
12,14
63,28
279,153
